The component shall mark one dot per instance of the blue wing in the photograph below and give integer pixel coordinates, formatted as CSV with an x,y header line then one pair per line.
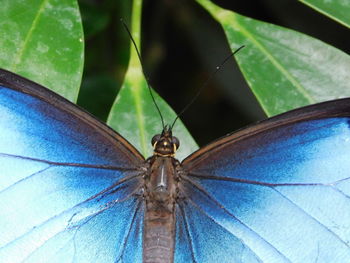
x,y
67,182
275,192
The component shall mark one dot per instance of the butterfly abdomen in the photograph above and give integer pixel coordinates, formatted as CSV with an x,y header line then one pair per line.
x,y
159,220
158,240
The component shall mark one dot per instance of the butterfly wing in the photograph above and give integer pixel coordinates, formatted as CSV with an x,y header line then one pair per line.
x,y
274,192
66,181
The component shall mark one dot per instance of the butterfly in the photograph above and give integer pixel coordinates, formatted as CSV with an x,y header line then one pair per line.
x,y
74,190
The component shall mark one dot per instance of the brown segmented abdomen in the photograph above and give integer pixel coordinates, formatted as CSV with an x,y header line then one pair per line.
x,y
159,237
160,189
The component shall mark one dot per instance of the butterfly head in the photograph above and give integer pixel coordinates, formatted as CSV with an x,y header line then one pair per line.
x,y
165,144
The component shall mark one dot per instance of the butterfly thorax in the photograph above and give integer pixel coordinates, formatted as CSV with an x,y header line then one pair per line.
x,y
160,194
161,183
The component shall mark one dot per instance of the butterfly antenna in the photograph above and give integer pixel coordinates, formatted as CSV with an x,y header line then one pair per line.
x,y
147,79
206,84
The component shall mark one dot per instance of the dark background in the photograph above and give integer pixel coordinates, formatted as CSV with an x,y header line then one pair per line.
x,y
181,46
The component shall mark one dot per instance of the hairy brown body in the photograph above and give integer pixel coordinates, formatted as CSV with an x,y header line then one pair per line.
x,y
160,194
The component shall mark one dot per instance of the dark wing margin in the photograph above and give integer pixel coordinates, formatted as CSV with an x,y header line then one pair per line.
x,y
328,109
23,85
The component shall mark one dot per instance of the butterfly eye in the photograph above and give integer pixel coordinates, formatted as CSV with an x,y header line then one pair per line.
x,y
176,142
155,139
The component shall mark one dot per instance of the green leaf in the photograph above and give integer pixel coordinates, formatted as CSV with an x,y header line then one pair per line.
x,y
135,117
43,41
134,114
285,69
338,10
95,17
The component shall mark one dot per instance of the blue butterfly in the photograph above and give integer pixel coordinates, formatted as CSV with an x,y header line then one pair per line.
x,y
73,190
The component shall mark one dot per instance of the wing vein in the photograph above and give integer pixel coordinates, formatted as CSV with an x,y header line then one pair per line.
x,y
61,214
24,179
125,240
82,165
253,182
225,210
311,217
188,233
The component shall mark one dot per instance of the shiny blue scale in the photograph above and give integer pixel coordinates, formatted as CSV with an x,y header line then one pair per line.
x,y
73,190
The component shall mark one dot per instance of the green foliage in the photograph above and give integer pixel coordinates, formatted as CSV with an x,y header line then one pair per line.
x,y
133,113
284,68
43,41
335,9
